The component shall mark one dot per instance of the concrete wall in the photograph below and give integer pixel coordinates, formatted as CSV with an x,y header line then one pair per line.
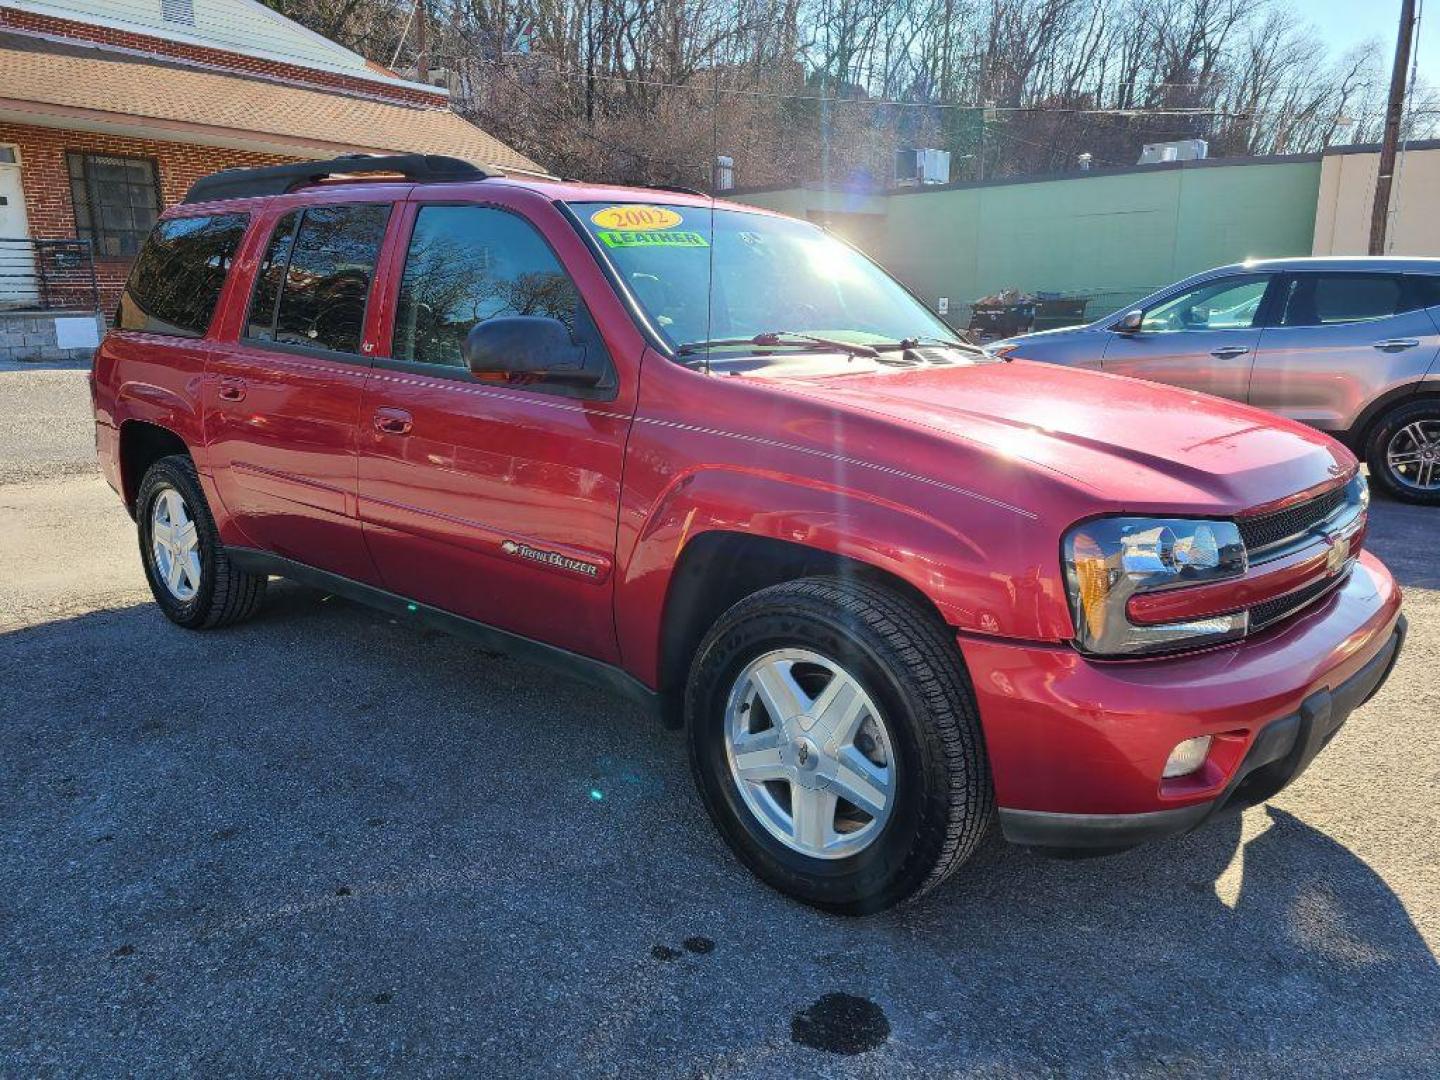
x,y
1347,194
1119,233
40,336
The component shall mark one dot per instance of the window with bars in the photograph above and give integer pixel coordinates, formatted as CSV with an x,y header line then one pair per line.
x,y
117,200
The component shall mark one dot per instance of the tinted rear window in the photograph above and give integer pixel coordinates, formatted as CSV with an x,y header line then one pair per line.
x,y
323,272
176,280
1325,299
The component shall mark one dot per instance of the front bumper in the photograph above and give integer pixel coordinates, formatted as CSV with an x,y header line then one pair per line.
x,y
1279,753
1077,746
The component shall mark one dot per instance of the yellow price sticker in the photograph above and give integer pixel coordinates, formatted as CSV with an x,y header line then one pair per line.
x,y
636,217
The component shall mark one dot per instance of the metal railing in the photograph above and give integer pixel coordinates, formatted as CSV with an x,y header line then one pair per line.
x,y
47,275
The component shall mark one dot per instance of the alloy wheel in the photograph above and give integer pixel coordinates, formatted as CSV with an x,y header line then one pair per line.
x,y
175,545
809,753
1413,455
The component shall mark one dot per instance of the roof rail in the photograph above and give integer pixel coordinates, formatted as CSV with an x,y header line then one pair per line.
x,y
279,179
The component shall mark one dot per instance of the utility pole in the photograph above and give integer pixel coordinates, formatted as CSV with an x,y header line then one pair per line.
x,y
1380,216
422,44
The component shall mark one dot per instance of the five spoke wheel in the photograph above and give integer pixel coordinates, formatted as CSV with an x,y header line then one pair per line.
x,y
175,544
810,753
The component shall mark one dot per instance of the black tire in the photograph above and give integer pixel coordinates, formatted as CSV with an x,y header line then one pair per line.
x,y
907,661
225,594
1382,475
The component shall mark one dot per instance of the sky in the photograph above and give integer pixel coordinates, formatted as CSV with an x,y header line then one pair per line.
x,y
1344,23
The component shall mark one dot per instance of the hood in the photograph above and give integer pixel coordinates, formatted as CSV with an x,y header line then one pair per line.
x,y
1126,444
1059,333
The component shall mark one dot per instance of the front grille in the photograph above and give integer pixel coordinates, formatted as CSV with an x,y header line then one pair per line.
x,y
1269,530
1272,611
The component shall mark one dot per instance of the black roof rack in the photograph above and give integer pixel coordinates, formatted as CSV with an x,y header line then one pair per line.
x,y
278,179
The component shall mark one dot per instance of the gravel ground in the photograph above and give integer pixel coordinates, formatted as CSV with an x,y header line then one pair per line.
x,y
327,842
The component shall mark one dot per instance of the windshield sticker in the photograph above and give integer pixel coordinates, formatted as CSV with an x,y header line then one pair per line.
x,y
630,238
636,218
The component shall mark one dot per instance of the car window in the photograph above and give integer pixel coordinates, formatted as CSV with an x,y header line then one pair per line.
x,y
1424,290
1225,304
466,264
176,280
701,273
270,277
1328,299
328,258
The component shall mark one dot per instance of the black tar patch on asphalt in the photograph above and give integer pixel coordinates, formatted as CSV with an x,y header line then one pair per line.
x,y
841,1024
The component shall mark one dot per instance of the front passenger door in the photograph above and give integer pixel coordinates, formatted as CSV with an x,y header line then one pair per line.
x,y
1203,338
498,501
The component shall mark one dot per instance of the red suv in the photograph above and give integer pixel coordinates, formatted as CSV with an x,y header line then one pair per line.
x,y
712,458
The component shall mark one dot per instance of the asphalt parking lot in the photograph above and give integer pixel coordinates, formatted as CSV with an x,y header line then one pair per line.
x,y
329,842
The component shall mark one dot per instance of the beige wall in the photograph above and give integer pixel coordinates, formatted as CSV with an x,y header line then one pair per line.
x,y
1347,194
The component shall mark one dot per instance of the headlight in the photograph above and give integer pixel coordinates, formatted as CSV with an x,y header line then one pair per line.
x,y
1109,560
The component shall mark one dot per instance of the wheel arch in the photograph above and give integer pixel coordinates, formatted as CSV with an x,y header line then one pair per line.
x,y
718,568
142,443
1357,438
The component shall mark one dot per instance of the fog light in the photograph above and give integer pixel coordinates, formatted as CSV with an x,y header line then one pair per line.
x,y
1187,757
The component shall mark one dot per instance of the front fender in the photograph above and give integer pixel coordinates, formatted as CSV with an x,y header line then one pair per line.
x,y
955,567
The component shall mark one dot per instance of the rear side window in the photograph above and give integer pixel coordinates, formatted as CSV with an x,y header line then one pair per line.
x,y
176,280
1331,299
1425,289
315,279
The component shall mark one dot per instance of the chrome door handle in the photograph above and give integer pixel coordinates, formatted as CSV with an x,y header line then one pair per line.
x,y
1229,352
1396,344
232,389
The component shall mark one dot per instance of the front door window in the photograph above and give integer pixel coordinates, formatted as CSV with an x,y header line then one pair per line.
x,y
1227,304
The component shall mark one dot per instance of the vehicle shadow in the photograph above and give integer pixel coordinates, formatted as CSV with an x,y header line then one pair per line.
x,y
373,845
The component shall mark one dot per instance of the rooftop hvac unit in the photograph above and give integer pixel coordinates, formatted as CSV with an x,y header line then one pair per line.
x,y
1183,150
922,167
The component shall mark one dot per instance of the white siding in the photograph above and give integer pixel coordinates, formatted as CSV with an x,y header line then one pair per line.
x,y
243,26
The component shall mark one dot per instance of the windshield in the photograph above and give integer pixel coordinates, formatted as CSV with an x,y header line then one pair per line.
x,y
770,275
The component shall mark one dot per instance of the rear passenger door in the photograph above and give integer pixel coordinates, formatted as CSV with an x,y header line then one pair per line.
x,y
494,500
282,402
1338,339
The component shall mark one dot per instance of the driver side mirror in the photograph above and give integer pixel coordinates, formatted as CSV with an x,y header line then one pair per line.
x,y
527,348
1130,322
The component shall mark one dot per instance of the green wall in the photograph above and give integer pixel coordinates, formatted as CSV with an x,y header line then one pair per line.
x,y
1120,234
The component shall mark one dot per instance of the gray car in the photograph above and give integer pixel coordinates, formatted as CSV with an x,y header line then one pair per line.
x,y
1345,345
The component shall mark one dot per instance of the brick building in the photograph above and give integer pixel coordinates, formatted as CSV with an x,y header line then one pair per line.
x,y
110,109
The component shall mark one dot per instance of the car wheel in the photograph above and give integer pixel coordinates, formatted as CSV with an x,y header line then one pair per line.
x,y
1403,452
190,576
836,743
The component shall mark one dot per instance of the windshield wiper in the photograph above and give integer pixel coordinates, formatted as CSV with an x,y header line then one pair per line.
x,y
775,339
917,340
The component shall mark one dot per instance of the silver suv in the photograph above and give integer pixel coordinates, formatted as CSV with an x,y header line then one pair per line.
x,y
1346,345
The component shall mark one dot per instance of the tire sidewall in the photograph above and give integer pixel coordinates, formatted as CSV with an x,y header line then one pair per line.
x,y
164,474
1379,442
892,864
